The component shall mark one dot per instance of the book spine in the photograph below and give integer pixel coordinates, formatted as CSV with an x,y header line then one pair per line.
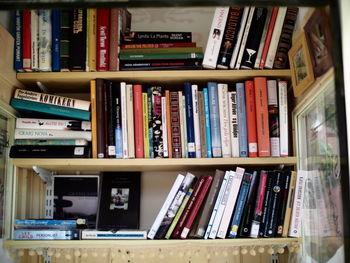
x,y
262,121
51,142
174,50
183,127
130,120
283,205
145,125
18,59
139,149
156,224
175,124
53,124
215,37
224,120
195,107
251,119
168,122
202,124
207,122
110,111
273,118
87,234
114,40
118,120
34,31
289,205
241,201
102,46
157,122
49,151
100,117
164,128
77,45
22,223
124,119
45,40
156,64
150,123
92,38
271,54
158,45
267,208
283,118
285,41
232,107
146,37
56,39
94,134
214,119
51,134
26,105
242,121
190,122
21,234
155,56
27,43
65,37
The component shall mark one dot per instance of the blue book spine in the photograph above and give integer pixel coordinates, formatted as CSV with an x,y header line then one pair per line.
x,y
32,106
44,222
189,119
150,123
118,122
18,58
242,121
56,19
214,119
207,122
242,197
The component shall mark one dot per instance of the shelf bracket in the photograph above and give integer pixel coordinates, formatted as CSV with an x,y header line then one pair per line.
x,y
44,174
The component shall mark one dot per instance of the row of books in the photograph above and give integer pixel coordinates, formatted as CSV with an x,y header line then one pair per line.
x,y
250,38
245,119
231,204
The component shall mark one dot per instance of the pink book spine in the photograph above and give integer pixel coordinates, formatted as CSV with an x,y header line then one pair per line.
x,y
138,126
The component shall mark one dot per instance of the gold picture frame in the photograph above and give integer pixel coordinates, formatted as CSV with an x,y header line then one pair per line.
x,y
300,65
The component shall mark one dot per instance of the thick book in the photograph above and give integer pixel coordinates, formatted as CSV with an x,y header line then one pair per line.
x,y
202,128
189,120
215,37
145,37
224,120
195,107
242,120
289,205
91,39
45,40
165,128
18,35
122,234
139,153
49,151
56,39
145,125
130,120
34,32
175,125
65,37
51,142
273,111
283,118
157,121
233,119
207,123
119,201
251,118
45,234
114,39
102,36
157,45
51,134
53,124
155,56
110,113
48,109
172,50
27,43
100,118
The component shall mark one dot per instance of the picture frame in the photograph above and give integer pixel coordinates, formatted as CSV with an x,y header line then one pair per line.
x,y
300,65
319,39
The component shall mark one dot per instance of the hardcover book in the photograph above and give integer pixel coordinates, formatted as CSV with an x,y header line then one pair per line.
x,y
34,31
283,118
175,125
251,119
102,36
202,128
51,134
130,120
100,118
172,50
189,121
165,128
110,115
157,122
289,205
27,43
274,125
156,56
145,125
144,37
114,39
139,153
196,125
49,151
45,223
161,64
18,59
207,122
91,39
51,142
157,45
283,205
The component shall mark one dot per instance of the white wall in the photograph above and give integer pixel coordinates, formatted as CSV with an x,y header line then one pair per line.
x,y
5,20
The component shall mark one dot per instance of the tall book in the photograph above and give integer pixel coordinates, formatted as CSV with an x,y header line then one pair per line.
x,y
114,39
102,46
232,107
118,120
224,120
93,118
175,125
145,125
215,37
183,121
164,128
202,129
283,206
157,121
124,119
283,118
77,45
214,119
207,122
274,125
130,120
146,37
289,205
56,38
242,120
34,31
150,123
168,123
65,37
91,38
27,43
189,121
110,112
18,59
268,199
195,107
251,118
100,117
45,40
138,124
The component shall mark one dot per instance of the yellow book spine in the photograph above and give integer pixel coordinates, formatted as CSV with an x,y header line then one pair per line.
x,y
93,118
91,35
145,124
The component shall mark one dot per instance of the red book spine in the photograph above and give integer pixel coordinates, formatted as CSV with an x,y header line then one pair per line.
x,y
138,121
197,205
262,120
102,46
158,45
26,41
251,119
268,37
114,40
175,125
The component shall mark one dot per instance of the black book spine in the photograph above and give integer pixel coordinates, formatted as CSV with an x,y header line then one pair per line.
x,y
283,205
254,38
100,118
156,37
65,35
77,47
49,151
111,113
157,122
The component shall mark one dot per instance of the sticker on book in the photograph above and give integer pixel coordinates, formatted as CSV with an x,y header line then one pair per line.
x,y
78,150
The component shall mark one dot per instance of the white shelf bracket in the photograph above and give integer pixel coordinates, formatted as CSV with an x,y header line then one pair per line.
x,y
44,174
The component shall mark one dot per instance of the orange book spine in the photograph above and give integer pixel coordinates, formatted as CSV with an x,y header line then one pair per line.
x,y
251,119
170,145
262,121
93,118
138,121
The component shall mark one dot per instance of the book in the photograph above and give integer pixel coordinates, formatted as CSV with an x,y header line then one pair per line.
x,y
224,120
214,119
145,125
91,234
26,41
289,205
48,109
175,125
215,37
49,151
155,56
273,111
183,127
102,36
170,197
189,120
242,120
283,118
164,51
150,123
56,39
114,39
101,118
202,128
18,35
130,120
119,201
161,64
233,118
164,128
157,45
283,205
45,40
118,131
65,37
53,124
268,200
34,31
196,125
207,122
25,234
124,124
251,119
145,37
45,223
138,123
46,98
51,134
157,122
93,118
168,123
110,117
91,38
51,142
77,44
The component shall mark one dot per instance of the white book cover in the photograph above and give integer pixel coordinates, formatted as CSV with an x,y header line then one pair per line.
x,y
295,221
34,32
45,234
45,37
272,99
224,120
270,58
51,134
244,38
239,37
119,234
232,198
52,99
124,119
164,128
216,34
195,106
263,37
52,124
152,232
232,107
183,127
283,117
130,120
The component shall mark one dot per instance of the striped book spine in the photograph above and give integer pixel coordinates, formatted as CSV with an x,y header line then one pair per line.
x,y
168,118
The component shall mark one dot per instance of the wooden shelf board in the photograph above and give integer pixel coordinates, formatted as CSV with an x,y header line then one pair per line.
x,y
147,164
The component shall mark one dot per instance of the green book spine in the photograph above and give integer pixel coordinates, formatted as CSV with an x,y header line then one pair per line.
x,y
161,50
51,142
50,109
160,56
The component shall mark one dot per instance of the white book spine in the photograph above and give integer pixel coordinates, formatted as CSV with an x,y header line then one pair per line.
x,y
270,58
51,99
239,37
130,119
283,117
273,100
183,127
244,38
165,207
120,234
34,31
124,119
217,204
232,198
195,106
45,37
51,134
232,107
263,37
215,37
295,221
51,124
164,128
224,120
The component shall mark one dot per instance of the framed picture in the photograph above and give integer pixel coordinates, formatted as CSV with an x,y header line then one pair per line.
x,y
300,65
319,39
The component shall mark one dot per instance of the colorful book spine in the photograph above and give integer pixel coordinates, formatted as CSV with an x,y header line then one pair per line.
x,y
161,64
90,234
242,120
118,120
150,123
215,37
56,39
214,119
52,124
207,122
251,119
145,37
164,128
273,110
157,122
175,124
18,59
102,46
51,134
157,45
202,125
65,36
130,120
190,122
27,43
91,38
196,126
45,40
49,151
145,125
267,207
114,39
232,107
283,118
124,119
138,123
168,122
51,142
224,120
22,234
155,56
34,31
77,44
23,223
183,121
172,50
